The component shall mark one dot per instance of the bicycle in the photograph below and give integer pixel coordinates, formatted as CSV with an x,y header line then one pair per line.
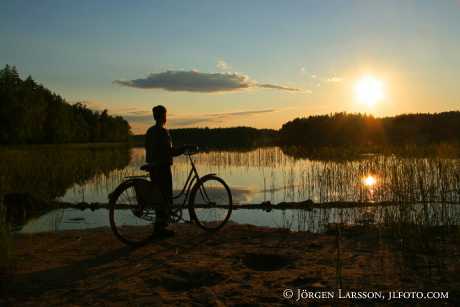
x,y
133,204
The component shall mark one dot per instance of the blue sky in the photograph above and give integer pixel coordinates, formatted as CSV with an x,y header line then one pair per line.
x,y
78,48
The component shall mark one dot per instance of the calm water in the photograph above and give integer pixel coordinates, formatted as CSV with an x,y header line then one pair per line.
x,y
265,174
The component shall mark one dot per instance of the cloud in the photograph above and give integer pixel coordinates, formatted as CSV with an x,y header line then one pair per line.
x,y
194,81
100,106
222,65
279,87
141,118
139,112
315,77
94,105
242,113
214,118
334,79
138,117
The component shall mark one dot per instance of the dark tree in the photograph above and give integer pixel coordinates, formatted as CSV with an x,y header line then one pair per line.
x,y
363,130
30,114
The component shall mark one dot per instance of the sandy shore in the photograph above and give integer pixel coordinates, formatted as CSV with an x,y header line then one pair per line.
x,y
239,266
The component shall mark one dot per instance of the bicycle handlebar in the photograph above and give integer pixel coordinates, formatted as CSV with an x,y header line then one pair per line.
x,y
191,150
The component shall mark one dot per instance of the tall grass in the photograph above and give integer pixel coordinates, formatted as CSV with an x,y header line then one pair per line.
x,y
47,171
422,185
5,245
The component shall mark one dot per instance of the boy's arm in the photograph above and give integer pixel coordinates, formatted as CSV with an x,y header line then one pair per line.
x,y
148,146
179,150
176,151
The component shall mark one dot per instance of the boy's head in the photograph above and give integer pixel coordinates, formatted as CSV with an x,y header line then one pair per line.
x,y
159,114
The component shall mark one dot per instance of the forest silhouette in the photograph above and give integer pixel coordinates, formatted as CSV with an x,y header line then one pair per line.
x,y
32,114
343,129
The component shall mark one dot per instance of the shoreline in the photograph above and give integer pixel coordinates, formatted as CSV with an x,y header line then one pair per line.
x,y
239,265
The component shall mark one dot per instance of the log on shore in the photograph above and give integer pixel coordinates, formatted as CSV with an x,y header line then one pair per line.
x,y
267,206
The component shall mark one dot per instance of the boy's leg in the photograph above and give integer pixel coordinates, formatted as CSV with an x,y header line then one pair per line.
x,y
163,177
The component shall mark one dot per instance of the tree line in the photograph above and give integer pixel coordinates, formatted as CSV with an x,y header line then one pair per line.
x,y
332,130
219,137
32,114
343,129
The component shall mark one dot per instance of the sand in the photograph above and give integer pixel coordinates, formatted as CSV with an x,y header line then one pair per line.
x,y
241,265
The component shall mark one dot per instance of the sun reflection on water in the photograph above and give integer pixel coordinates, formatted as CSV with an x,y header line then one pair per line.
x,y
369,181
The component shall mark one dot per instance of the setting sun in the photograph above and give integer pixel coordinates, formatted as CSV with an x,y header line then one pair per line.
x,y
369,90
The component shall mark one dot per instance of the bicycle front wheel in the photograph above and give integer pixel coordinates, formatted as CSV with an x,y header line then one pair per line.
x,y
210,203
131,219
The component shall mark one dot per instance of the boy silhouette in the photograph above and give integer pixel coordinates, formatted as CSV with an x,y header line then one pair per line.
x,y
159,155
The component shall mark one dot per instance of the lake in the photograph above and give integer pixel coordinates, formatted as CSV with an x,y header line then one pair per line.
x,y
428,186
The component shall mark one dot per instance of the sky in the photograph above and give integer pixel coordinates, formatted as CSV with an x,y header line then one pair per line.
x,y
238,63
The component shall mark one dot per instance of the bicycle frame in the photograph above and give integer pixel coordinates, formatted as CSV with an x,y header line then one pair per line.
x,y
192,178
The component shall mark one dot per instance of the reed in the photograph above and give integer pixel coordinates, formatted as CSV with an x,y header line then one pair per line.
x,y
6,246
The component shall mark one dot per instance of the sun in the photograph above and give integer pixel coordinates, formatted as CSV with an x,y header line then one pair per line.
x,y
369,90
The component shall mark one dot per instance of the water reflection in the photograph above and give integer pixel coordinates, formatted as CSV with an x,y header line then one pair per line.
x,y
369,181
49,172
262,174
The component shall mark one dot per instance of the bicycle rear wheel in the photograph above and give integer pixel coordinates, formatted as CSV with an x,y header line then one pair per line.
x,y
210,203
131,217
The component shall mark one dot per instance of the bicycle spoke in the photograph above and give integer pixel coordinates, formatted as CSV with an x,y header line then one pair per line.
x,y
131,221
212,203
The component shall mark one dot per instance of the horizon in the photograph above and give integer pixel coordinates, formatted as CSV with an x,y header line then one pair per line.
x,y
257,64
306,117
